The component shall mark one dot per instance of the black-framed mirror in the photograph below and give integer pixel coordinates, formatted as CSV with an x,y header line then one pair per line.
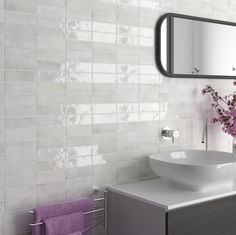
x,y
188,46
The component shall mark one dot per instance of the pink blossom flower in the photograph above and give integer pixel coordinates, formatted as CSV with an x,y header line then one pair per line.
x,y
225,107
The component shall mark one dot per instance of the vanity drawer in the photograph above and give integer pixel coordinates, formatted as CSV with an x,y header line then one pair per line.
x,y
131,216
216,217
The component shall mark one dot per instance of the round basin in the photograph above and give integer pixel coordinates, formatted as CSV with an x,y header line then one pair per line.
x,y
195,169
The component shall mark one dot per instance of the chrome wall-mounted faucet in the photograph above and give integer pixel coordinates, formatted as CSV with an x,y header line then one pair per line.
x,y
205,135
167,133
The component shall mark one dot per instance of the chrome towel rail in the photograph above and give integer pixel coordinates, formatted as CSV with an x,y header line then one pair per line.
x,y
87,229
96,200
96,190
86,213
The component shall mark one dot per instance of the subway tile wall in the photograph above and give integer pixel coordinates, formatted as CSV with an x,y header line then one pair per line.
x,y
81,101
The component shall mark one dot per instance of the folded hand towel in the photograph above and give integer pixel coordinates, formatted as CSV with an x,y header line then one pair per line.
x,y
41,213
76,233
64,224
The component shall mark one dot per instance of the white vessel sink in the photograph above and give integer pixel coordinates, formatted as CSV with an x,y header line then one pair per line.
x,y
196,169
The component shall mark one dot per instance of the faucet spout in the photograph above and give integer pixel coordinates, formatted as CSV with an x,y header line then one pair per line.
x,y
205,135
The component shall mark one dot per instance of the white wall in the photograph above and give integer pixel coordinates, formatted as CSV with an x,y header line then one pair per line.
x,y
82,102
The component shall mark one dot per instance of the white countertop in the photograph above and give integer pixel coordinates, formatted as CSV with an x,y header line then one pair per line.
x,y
162,193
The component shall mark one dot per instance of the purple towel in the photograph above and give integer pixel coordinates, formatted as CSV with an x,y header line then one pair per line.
x,y
41,213
76,233
64,224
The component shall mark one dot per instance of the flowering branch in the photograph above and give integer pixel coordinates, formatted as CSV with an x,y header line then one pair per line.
x,y
225,108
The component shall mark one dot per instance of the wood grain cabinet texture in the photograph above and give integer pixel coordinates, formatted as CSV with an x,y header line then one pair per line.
x,y
131,216
216,217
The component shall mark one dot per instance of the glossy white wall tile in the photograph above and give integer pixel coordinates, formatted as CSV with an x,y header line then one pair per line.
x,y
82,103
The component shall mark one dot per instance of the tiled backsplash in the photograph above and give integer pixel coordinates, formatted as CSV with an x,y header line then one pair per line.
x,y
81,100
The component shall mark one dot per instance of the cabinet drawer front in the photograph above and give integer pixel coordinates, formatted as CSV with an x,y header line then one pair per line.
x,y
130,216
216,217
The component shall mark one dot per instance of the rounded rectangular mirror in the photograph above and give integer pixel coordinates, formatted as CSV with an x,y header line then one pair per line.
x,y
188,46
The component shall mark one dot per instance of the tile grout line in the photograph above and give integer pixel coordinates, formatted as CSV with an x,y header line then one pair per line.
x,y
159,82
139,89
65,100
4,134
116,92
92,90
36,101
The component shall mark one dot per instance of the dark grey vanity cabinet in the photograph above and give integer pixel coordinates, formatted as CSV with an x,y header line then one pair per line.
x,y
217,217
134,216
